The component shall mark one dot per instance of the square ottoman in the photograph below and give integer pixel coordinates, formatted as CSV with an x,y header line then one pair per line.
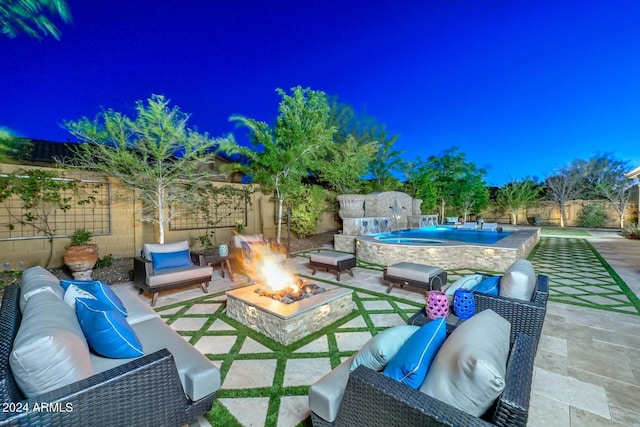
x,y
422,276
330,260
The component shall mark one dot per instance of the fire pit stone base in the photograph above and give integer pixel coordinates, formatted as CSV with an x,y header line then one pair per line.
x,y
287,323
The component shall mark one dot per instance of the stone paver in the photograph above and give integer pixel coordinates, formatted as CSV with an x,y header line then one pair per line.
x,y
587,369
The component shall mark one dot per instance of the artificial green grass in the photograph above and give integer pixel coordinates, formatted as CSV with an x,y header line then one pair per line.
x,y
564,231
579,275
276,351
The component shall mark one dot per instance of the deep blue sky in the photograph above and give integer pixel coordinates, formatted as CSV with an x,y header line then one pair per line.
x,y
520,87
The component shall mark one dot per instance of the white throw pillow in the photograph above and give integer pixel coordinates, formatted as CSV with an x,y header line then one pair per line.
x,y
74,292
519,281
469,371
377,352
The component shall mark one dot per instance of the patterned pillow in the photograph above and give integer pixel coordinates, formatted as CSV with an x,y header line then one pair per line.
x,y
100,290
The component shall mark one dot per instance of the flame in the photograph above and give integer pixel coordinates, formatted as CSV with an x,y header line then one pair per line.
x,y
266,266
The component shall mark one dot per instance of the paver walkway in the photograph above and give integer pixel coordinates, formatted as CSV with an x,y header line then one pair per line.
x,y
587,367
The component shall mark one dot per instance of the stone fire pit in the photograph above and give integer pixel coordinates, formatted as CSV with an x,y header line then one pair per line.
x,y
287,323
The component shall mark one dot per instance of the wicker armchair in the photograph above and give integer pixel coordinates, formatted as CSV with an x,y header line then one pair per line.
x,y
146,391
373,399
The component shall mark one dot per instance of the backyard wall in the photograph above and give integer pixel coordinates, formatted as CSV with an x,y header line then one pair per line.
x,y
118,232
550,215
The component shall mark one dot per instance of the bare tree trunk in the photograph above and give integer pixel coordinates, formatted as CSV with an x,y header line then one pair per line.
x,y
562,215
160,214
280,202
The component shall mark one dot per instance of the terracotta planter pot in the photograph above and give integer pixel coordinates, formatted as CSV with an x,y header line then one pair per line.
x,y
80,260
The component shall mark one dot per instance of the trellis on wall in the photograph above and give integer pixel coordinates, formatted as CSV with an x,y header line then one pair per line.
x,y
214,207
88,207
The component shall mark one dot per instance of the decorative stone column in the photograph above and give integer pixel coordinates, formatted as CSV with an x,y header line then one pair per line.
x,y
351,205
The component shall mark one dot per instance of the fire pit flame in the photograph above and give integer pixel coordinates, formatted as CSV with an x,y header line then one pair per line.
x,y
291,294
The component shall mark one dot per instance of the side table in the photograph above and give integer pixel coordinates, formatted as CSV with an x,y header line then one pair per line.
x,y
421,318
203,258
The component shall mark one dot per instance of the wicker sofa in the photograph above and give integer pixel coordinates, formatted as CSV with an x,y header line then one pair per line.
x,y
170,385
372,399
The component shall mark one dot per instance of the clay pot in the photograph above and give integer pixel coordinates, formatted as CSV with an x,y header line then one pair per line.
x,y
80,260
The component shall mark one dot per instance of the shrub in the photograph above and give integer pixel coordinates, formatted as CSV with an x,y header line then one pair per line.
x,y
104,262
592,215
631,231
306,209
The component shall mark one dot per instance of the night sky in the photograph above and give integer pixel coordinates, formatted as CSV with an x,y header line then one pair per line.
x,y
520,87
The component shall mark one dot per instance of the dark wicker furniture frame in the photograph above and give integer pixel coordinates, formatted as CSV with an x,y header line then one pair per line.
x,y
345,265
145,391
434,283
373,399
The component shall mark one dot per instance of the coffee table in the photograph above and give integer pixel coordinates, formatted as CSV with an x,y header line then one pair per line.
x,y
204,258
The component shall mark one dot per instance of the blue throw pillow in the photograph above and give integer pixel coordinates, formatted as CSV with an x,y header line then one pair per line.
x,y
489,286
106,330
410,365
100,290
65,283
162,260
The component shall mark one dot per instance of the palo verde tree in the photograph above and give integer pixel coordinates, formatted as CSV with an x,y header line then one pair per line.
x,y
155,154
32,17
283,155
519,195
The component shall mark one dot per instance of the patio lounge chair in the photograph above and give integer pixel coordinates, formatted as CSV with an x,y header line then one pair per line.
x,y
489,226
468,226
168,266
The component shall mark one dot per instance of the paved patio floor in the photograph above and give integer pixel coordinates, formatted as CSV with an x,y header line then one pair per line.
x,y
587,370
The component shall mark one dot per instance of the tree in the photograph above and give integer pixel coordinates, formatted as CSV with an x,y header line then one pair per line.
x,y
420,184
385,162
345,164
564,185
519,195
459,183
610,182
290,151
155,154
13,148
30,17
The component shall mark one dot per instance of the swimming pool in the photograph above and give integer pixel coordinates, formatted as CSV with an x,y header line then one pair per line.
x,y
435,235
446,247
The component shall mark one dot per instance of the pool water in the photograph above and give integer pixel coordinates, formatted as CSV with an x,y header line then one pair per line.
x,y
435,235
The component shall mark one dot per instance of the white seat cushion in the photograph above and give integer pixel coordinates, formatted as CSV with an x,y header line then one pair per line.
x,y
412,271
325,395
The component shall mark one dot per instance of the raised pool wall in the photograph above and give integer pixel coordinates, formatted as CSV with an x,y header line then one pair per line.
x,y
401,212
448,255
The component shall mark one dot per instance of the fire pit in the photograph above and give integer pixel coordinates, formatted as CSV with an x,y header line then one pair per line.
x,y
284,307
287,323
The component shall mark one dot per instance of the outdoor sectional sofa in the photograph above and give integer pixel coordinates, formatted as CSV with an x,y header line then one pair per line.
x,y
372,399
170,385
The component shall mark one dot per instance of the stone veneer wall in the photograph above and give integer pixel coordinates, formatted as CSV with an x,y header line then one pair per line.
x,y
289,330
